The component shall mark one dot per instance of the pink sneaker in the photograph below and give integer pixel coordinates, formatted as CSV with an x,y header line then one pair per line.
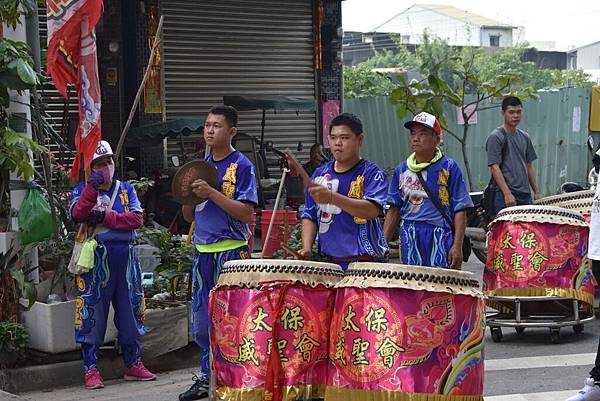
x,y
93,380
138,372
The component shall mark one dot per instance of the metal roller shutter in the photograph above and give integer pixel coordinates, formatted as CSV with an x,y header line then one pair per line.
x,y
240,47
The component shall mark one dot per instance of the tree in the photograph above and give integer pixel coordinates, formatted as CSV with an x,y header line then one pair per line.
x,y
456,81
360,81
509,60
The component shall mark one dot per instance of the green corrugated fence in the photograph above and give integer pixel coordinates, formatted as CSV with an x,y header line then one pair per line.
x,y
557,123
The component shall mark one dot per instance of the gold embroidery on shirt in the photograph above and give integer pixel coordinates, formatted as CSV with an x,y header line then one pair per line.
x,y
357,191
230,173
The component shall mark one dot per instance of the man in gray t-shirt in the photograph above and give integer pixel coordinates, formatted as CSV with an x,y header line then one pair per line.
x,y
510,158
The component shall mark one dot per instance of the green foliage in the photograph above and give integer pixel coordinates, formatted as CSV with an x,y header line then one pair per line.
x,y
142,185
14,339
10,11
485,66
13,262
402,59
16,73
14,152
508,60
176,256
361,81
454,77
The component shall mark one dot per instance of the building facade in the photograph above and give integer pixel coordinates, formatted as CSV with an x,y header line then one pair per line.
x,y
457,27
586,58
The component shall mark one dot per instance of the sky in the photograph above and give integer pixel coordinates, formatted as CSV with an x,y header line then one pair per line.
x,y
568,23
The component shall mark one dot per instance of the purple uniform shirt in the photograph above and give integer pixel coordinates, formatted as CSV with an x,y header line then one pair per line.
x,y
237,181
340,234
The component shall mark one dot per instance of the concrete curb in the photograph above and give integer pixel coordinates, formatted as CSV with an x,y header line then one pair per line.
x,y
40,377
4,396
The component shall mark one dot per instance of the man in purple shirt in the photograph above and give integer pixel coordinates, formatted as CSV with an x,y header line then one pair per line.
x,y
221,230
426,237
344,201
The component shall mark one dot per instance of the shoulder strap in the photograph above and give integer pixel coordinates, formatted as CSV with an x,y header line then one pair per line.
x,y
435,201
98,228
114,195
502,157
504,148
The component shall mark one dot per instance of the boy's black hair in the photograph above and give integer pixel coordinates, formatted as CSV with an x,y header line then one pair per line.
x,y
230,114
511,101
349,120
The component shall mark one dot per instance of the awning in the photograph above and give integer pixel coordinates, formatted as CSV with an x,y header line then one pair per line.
x,y
153,134
243,103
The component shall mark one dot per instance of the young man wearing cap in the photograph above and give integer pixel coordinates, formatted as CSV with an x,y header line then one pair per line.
x,y
221,226
115,277
345,199
426,237
510,155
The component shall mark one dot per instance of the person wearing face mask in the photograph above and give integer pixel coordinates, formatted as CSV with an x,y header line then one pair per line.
x,y
116,276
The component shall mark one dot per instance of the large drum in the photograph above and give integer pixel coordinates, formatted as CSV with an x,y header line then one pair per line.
x,y
539,251
404,333
580,202
261,305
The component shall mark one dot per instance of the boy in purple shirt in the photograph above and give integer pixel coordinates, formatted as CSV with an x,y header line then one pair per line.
x,y
221,230
344,201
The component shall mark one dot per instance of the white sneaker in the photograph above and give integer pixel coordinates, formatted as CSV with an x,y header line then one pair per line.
x,y
589,392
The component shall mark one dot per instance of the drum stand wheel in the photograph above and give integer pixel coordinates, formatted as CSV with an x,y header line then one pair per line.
x,y
496,334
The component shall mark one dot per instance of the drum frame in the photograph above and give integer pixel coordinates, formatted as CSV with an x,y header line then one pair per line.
x,y
511,314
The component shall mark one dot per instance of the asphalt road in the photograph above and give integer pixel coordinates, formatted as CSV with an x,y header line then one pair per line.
x,y
525,367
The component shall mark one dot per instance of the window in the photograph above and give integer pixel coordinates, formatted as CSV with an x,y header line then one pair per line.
x,y
494,40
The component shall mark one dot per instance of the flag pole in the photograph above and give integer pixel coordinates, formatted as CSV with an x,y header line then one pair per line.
x,y
140,89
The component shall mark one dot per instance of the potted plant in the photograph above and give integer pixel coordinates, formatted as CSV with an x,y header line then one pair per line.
x,y
13,342
169,318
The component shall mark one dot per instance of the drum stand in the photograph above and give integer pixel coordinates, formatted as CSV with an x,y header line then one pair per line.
x,y
544,311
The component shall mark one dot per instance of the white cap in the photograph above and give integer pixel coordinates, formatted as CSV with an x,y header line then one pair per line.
x,y
427,120
103,150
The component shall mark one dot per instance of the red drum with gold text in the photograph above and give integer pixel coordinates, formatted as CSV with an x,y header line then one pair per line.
x,y
539,250
403,333
270,329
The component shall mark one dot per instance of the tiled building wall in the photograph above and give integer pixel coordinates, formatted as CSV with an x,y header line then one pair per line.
x,y
331,75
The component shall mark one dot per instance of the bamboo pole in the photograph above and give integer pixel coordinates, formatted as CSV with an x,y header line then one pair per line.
x,y
140,89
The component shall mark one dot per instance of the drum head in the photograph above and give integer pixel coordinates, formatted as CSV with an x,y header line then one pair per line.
x,y
188,173
541,214
254,273
387,275
561,199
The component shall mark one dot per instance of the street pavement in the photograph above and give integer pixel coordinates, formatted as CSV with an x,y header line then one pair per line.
x,y
525,367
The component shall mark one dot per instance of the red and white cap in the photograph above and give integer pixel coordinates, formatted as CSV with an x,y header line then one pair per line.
x,y
103,150
427,120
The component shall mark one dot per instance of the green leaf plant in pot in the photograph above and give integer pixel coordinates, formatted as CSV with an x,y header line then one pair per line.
x,y
13,342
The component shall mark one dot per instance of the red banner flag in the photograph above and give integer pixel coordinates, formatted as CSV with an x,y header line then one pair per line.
x,y
72,59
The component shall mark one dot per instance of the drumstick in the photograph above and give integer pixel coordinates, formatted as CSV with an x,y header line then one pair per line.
x,y
291,251
275,206
298,167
